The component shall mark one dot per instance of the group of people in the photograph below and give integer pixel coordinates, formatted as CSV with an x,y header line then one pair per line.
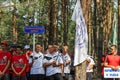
x,y
52,64
110,60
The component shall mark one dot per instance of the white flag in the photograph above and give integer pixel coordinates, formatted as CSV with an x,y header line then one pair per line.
x,y
81,36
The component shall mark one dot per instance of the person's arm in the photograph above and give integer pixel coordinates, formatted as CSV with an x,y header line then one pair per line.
x,y
58,62
107,65
62,67
23,69
12,66
8,64
102,64
110,66
67,62
47,64
31,63
90,67
57,65
91,64
102,60
1,74
31,60
27,55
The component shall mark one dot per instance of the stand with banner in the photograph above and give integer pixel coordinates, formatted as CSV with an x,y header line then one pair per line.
x,y
109,73
34,30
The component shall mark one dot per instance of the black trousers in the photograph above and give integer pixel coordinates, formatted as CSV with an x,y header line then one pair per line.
x,y
57,76
89,75
37,77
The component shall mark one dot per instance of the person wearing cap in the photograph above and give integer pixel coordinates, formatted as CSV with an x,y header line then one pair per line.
x,y
37,71
89,69
18,65
27,53
5,59
13,49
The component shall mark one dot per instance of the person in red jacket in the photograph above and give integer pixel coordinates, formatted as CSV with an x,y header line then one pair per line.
x,y
5,59
112,60
18,65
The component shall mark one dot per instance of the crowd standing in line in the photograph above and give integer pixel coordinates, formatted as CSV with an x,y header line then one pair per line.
x,y
17,63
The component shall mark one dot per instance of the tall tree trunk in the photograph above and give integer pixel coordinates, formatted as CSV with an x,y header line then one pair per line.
x,y
0,25
81,69
15,33
54,20
65,14
118,25
52,27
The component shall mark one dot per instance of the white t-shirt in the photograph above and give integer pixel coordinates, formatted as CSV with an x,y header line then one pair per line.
x,y
50,70
91,63
37,67
66,67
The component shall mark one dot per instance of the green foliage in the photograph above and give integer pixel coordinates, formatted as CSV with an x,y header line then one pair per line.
x,y
25,14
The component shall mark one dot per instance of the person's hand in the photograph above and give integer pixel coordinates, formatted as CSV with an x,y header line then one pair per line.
x,y
54,64
33,60
113,67
116,68
63,74
1,74
27,52
18,74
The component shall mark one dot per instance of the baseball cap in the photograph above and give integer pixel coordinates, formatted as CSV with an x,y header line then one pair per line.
x,y
27,47
4,43
13,46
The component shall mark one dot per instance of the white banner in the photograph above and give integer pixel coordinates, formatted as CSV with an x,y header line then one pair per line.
x,y
81,36
109,73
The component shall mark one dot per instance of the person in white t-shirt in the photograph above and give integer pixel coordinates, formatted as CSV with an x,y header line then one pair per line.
x,y
37,71
89,69
66,60
52,63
